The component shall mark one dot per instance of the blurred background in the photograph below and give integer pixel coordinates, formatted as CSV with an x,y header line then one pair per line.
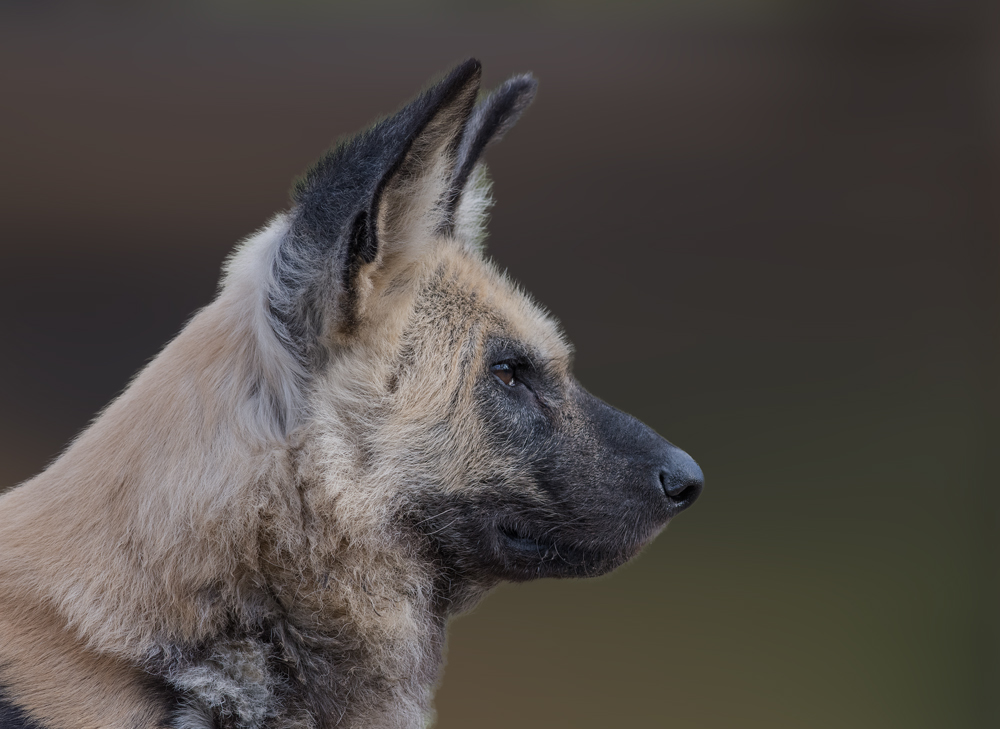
x,y
769,227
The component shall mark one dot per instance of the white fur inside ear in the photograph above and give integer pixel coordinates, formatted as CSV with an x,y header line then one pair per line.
x,y
410,211
474,209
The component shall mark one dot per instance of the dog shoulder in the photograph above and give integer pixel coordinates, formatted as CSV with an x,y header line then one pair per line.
x,y
50,680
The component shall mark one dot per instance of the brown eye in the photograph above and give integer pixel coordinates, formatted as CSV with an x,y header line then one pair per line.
x,y
504,373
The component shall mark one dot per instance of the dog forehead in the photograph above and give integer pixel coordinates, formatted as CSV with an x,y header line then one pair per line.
x,y
470,292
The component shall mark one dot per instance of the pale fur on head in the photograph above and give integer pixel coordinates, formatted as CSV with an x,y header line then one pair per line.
x,y
225,493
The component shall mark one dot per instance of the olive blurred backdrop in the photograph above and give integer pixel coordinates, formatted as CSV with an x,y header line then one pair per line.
x,y
770,228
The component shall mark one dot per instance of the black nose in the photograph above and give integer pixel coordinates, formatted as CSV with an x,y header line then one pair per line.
x,y
681,480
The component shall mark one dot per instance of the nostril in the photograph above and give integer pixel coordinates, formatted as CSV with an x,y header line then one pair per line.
x,y
680,492
681,488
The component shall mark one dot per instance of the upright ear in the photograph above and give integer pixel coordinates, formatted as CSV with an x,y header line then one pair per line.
x,y
492,118
345,207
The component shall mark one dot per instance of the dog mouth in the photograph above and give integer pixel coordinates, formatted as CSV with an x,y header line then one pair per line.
x,y
546,552
518,544
538,551
523,542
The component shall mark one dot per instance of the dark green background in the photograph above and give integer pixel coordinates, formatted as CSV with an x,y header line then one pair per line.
x,y
770,228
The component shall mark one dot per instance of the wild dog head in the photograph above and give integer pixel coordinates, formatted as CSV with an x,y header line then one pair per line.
x,y
452,390
369,426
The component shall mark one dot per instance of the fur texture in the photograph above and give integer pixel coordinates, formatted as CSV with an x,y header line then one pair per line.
x,y
368,429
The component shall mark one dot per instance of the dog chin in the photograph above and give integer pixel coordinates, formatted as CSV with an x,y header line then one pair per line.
x,y
520,555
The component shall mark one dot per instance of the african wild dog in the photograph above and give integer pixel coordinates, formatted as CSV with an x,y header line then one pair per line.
x,y
368,429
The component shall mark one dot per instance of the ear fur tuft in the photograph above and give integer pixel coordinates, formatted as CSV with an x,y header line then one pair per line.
x,y
492,118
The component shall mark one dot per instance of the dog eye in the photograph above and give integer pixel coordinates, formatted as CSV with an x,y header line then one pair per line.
x,y
504,372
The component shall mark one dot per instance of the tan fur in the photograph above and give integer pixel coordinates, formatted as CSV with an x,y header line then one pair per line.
x,y
142,532
67,684
192,501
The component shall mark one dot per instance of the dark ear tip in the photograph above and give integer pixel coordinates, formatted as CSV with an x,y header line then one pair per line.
x,y
462,79
516,94
509,101
467,70
524,81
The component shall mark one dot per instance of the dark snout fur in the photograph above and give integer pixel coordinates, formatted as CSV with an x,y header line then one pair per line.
x,y
593,486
